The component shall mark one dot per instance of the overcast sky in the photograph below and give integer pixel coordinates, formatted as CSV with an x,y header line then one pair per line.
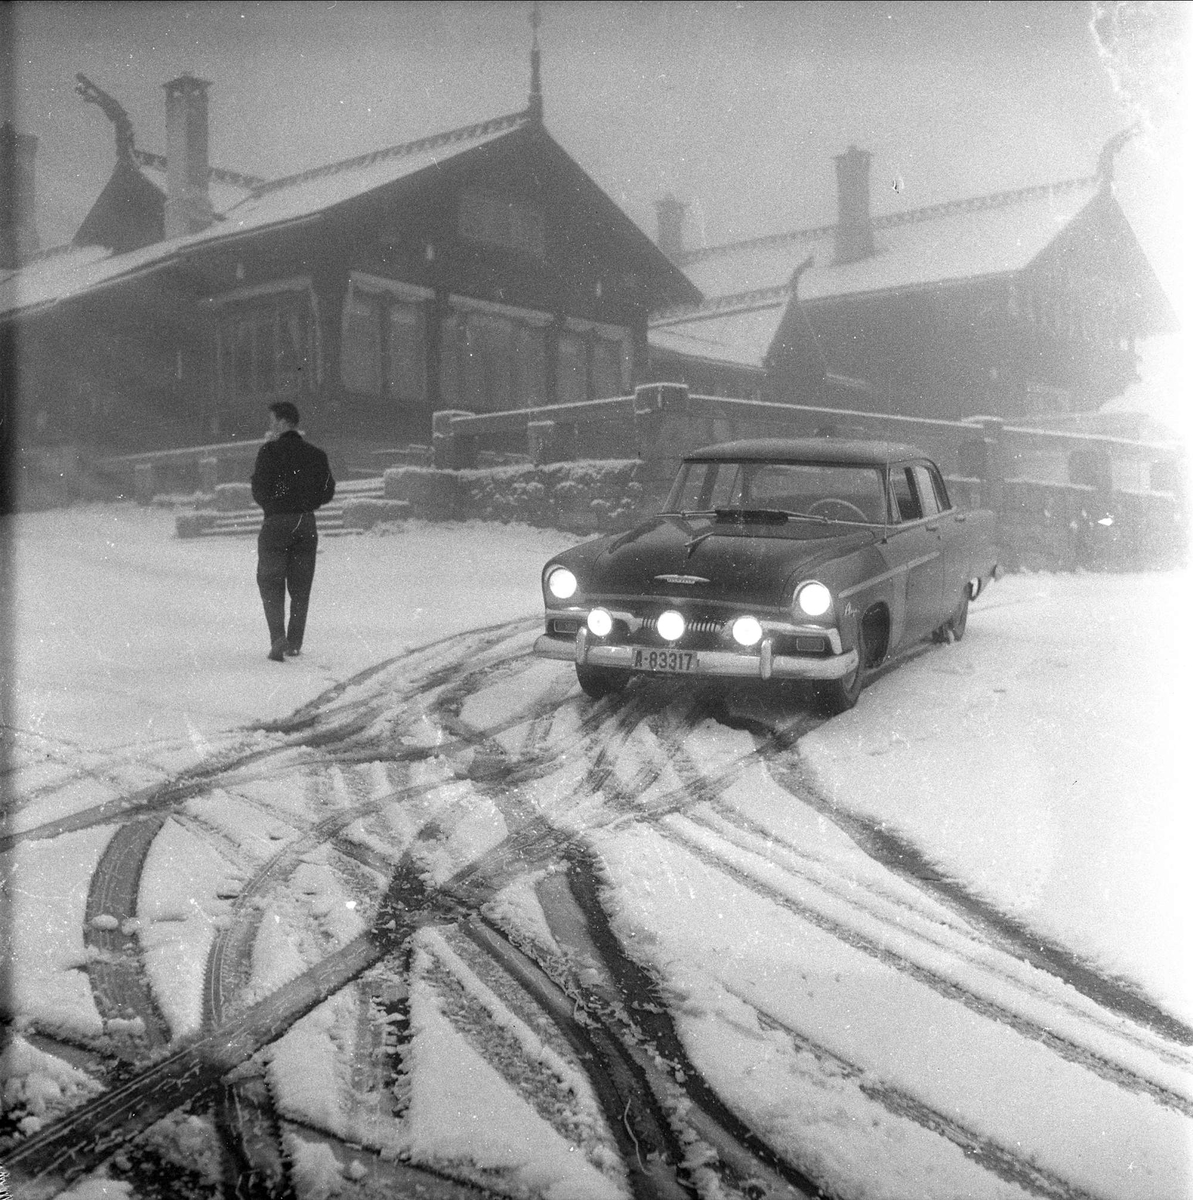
x,y
736,108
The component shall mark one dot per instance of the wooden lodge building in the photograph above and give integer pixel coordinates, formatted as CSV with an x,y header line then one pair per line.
x,y
482,270
1024,304
479,269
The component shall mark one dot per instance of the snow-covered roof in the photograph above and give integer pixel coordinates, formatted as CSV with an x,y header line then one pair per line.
x,y
253,205
737,330
73,270
224,188
962,239
747,284
316,190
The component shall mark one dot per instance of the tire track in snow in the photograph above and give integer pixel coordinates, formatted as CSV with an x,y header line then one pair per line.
x,y
115,969
953,936
904,858
950,989
984,1151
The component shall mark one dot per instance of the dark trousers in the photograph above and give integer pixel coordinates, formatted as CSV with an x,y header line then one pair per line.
x,y
286,562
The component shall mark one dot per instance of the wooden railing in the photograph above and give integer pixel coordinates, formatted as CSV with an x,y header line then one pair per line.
x,y
660,422
145,472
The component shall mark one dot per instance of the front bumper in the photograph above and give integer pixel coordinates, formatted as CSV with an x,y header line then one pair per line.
x,y
586,650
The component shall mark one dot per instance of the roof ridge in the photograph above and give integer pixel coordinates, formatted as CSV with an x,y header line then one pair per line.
x,y
789,235
756,298
417,146
887,220
980,203
147,158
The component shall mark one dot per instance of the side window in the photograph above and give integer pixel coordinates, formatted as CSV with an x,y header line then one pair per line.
x,y
929,501
904,501
942,494
725,486
693,491
707,485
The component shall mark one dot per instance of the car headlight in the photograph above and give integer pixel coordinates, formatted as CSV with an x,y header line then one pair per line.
x,y
671,625
814,599
747,631
600,622
562,584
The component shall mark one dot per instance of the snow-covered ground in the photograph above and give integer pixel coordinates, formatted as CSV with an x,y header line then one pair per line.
x,y
1041,764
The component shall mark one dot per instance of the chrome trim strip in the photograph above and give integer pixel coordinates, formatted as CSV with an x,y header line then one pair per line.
x,y
770,627
899,570
715,663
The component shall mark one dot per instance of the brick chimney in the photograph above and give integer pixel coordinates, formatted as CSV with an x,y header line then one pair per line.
x,y
18,229
670,217
855,237
188,206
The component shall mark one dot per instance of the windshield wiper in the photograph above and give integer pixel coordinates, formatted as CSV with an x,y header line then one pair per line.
x,y
774,516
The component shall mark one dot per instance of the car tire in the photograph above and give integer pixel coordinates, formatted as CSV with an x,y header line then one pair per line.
x,y
953,630
840,695
601,681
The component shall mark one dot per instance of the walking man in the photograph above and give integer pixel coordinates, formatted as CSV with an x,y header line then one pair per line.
x,y
291,479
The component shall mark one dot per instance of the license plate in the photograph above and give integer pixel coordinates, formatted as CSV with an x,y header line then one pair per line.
x,y
672,662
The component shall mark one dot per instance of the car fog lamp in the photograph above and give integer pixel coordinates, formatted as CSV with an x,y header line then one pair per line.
x,y
747,631
815,599
671,625
561,583
599,622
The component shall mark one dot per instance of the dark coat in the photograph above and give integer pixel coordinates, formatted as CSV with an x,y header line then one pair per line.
x,y
291,476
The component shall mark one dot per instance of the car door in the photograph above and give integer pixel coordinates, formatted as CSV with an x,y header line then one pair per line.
x,y
915,543
953,538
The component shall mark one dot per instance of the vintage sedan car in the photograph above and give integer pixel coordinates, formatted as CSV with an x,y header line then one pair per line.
x,y
815,559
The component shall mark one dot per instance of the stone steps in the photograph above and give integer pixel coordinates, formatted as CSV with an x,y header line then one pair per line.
x,y
246,522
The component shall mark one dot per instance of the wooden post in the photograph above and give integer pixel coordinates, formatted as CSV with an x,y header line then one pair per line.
x,y
209,473
661,421
541,441
144,485
451,453
992,463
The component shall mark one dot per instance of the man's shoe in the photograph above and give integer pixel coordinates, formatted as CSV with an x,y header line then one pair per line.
x,y
277,650
292,651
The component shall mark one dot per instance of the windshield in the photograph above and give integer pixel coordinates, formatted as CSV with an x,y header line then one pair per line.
x,y
819,491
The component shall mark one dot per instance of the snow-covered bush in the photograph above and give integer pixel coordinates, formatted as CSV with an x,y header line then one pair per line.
x,y
581,497
431,493
232,497
194,524
367,512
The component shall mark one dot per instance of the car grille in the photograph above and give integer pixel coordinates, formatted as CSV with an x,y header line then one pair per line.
x,y
694,625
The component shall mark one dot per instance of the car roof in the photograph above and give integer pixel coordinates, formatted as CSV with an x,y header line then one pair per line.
x,y
814,449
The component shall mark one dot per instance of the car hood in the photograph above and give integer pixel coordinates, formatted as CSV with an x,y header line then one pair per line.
x,y
751,561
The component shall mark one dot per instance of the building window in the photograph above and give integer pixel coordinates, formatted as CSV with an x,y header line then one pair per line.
x,y
383,347
492,361
599,357
264,348
407,358
572,374
360,344
610,367
516,224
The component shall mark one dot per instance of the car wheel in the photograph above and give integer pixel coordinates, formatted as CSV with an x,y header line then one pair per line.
x,y
601,681
840,695
953,630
